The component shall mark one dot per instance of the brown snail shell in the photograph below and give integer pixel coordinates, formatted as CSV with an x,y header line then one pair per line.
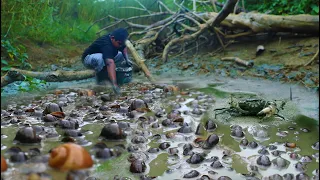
x,y
291,145
52,107
138,104
4,165
112,131
171,88
86,92
184,93
211,141
138,166
58,114
70,156
27,135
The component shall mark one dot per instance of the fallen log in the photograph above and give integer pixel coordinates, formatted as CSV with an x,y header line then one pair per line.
x,y
15,74
259,22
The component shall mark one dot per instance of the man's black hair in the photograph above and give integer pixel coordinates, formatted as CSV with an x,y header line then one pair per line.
x,y
120,34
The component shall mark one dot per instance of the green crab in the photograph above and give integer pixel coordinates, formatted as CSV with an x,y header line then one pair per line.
x,y
252,107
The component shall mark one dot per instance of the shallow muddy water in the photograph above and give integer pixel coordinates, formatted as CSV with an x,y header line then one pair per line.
x,y
205,95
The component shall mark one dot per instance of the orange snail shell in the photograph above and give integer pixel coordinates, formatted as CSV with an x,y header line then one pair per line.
x,y
70,156
4,165
290,145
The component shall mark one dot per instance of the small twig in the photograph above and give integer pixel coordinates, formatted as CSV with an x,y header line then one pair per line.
x,y
286,52
238,61
182,7
10,25
238,35
163,5
148,15
160,9
187,50
136,8
135,25
108,27
214,5
143,6
188,27
120,20
304,84
220,40
235,7
243,5
313,58
279,41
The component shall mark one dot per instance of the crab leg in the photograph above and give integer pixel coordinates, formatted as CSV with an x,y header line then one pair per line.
x,y
280,116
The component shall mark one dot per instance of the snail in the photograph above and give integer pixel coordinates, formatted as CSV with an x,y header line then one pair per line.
x,y
290,145
4,165
70,156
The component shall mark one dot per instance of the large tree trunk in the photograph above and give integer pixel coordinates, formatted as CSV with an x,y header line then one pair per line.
x,y
258,22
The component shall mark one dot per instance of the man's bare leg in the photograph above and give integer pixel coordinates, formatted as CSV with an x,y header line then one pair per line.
x,y
111,67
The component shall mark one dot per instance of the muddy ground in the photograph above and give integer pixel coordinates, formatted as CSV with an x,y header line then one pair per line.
x,y
283,55
206,73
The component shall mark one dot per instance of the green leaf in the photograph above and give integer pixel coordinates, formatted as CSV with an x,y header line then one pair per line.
x,y
6,68
315,8
4,62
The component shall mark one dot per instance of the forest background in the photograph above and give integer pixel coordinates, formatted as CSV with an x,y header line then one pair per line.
x,y
64,25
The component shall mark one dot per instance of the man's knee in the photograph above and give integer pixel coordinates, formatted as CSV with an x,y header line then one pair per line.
x,y
109,62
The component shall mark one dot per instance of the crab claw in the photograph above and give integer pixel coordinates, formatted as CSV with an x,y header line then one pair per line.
x,y
268,111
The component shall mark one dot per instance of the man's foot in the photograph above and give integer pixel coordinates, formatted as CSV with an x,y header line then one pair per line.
x,y
102,77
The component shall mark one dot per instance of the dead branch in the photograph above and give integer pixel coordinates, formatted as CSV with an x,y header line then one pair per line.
x,y
213,21
143,6
238,61
163,5
139,60
214,5
185,9
226,10
133,25
313,58
131,7
109,16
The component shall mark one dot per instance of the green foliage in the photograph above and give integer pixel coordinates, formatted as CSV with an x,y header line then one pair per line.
x,y
56,22
284,7
47,21
31,84
16,55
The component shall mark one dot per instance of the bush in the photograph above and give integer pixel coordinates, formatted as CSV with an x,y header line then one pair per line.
x,y
284,7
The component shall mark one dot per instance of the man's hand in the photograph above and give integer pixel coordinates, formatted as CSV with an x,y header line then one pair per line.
x,y
116,89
